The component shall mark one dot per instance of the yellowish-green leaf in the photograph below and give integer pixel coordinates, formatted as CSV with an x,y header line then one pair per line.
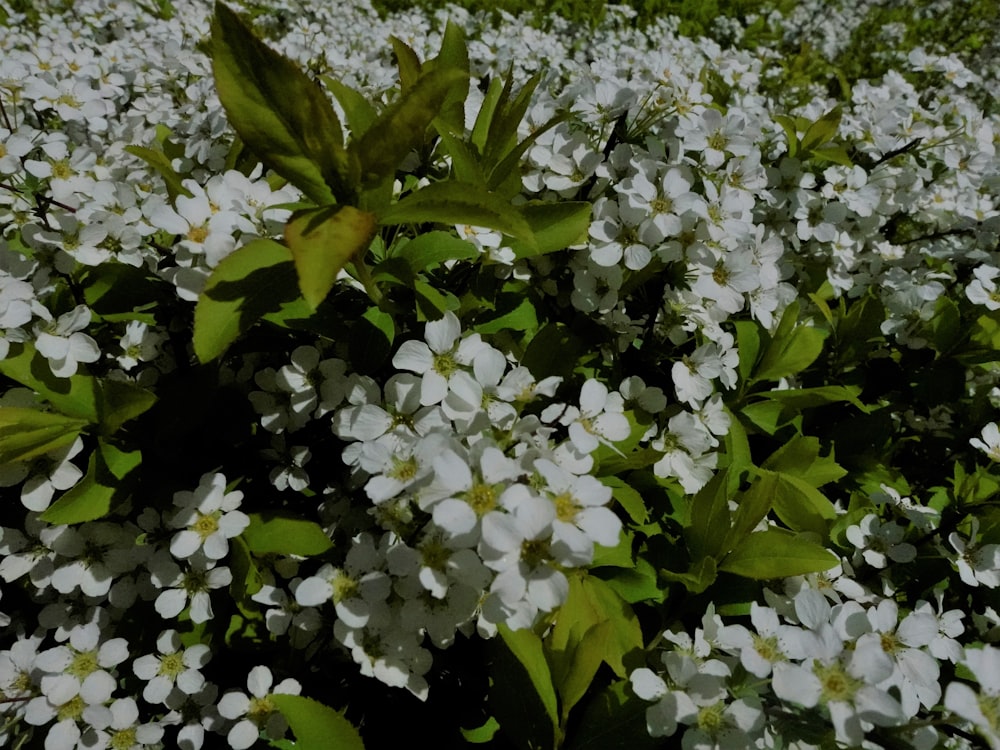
x,y
75,396
119,401
454,54
359,111
26,433
323,241
316,727
775,553
526,648
588,657
280,113
790,354
402,126
460,203
554,226
106,485
269,533
822,131
407,62
161,163
246,285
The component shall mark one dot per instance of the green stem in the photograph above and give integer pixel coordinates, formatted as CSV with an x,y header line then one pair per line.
x,y
365,277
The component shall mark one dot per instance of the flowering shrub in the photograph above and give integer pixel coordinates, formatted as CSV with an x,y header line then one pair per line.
x,y
359,374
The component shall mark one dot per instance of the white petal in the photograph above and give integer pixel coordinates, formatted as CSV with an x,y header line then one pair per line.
x,y
259,681
442,334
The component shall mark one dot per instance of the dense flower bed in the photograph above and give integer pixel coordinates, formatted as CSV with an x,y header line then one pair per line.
x,y
638,384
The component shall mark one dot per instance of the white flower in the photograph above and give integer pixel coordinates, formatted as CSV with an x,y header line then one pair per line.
x,y
256,711
357,590
188,588
173,665
50,472
517,546
879,542
771,644
139,344
581,518
81,668
99,552
120,729
286,614
672,706
600,418
977,563
915,672
209,519
442,359
979,706
989,441
62,343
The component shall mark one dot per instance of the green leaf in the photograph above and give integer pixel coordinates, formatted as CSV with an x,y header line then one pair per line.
x,y
835,153
766,415
698,578
316,727
522,695
75,396
402,126
483,734
273,533
501,174
800,506
26,433
454,55
280,113
628,497
521,317
432,304
247,576
822,131
481,127
507,118
588,656
791,133
748,345
710,518
465,166
637,583
407,62
323,241
107,484
119,401
552,351
117,291
245,286
554,226
807,398
737,447
793,348
161,163
430,249
459,203
777,554
371,340
614,719
800,457
625,640
753,505
360,112
945,325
